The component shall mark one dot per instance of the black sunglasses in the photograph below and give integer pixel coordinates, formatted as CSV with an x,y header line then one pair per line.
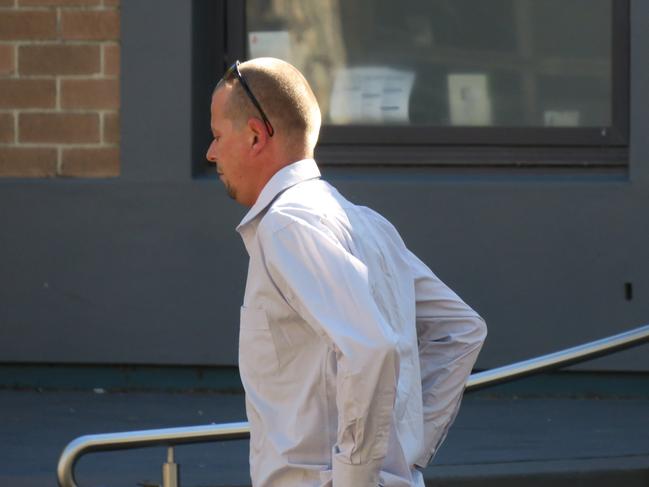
x,y
234,71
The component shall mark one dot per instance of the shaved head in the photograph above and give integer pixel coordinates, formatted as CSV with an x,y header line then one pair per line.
x,y
286,98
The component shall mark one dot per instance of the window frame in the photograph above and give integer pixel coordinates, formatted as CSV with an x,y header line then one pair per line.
x,y
499,145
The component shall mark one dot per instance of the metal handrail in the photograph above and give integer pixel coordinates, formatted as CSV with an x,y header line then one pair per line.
x,y
234,431
562,358
144,438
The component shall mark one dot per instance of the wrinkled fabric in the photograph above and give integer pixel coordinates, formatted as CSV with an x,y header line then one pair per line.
x,y
352,353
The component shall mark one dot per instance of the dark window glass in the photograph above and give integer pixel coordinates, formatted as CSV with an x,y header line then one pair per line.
x,y
446,63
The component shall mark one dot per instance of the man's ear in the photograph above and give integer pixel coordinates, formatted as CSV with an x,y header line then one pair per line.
x,y
258,135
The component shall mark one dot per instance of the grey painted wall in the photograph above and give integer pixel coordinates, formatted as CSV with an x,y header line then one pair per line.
x,y
147,268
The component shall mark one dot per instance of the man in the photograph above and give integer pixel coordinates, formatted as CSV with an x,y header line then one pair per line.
x,y
353,355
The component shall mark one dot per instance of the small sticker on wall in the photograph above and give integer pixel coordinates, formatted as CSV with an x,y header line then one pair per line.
x,y
561,118
469,100
275,44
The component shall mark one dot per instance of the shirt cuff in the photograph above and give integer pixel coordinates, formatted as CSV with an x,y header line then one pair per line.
x,y
422,462
361,475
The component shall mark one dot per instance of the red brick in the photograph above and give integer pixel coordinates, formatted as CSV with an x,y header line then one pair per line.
x,y
6,127
111,60
63,128
7,3
90,163
22,162
57,3
7,61
59,59
90,25
111,128
111,3
27,93
16,24
90,93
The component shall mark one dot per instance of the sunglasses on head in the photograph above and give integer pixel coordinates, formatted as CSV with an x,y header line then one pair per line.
x,y
234,71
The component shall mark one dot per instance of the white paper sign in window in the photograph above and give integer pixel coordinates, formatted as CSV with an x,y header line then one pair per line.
x,y
561,118
371,95
275,44
469,99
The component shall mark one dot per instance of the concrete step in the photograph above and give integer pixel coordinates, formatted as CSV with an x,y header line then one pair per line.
x,y
631,471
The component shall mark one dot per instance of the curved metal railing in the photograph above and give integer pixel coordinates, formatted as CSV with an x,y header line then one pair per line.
x,y
144,438
562,358
234,431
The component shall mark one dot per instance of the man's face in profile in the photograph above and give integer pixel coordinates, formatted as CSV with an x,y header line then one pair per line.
x,y
228,148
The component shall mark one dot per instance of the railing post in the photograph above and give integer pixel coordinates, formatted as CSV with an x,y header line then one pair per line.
x,y
170,470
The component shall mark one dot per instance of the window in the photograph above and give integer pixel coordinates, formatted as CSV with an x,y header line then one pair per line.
x,y
427,81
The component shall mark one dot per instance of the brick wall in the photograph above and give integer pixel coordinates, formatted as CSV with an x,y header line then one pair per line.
x,y
59,88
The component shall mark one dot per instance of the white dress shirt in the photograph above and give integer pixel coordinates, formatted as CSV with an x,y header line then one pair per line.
x,y
353,355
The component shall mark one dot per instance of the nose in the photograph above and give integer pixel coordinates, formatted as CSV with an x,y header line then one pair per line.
x,y
211,154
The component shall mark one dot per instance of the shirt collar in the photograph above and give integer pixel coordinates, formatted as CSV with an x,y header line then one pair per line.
x,y
282,180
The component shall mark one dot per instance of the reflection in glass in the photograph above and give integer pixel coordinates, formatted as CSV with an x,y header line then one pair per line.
x,y
517,63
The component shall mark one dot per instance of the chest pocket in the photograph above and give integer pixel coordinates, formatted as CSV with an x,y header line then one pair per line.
x,y
257,352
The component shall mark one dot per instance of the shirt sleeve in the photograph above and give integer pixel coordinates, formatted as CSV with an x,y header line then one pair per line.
x,y
450,336
328,287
